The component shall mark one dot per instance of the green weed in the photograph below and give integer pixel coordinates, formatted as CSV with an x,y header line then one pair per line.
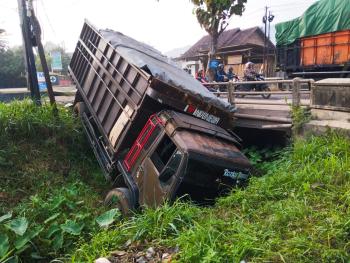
x,y
297,212
300,116
50,179
156,226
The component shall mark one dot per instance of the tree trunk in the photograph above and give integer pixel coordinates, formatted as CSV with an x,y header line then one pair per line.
x,y
212,54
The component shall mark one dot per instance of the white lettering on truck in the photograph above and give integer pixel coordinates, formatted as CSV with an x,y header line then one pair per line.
x,y
206,116
234,175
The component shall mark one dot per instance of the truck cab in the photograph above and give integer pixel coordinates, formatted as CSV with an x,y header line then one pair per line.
x,y
176,154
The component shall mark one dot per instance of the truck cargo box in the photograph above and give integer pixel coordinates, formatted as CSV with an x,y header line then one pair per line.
x,y
326,49
316,56
123,82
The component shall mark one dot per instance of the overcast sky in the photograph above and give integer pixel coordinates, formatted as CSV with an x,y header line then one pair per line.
x,y
166,25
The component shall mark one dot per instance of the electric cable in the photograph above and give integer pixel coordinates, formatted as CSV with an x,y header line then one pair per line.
x,y
48,19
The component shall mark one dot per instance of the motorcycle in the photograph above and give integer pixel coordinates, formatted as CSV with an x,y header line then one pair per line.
x,y
254,87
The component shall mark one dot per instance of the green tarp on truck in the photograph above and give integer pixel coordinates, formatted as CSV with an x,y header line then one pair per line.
x,y
322,17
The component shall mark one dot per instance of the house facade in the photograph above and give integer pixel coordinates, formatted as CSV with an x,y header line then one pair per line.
x,y
235,48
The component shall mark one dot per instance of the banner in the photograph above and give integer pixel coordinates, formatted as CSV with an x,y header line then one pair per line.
x,y
42,83
56,61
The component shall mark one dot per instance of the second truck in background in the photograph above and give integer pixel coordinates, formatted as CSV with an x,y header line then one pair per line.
x,y
317,44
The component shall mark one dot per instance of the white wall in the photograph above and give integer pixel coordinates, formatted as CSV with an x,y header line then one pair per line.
x,y
193,65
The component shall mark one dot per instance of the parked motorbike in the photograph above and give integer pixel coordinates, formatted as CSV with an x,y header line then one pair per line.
x,y
254,87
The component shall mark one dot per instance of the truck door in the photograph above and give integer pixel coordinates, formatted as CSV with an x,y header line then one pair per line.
x,y
160,168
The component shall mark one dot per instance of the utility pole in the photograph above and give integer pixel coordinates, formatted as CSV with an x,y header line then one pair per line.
x,y
32,78
270,19
37,35
20,13
31,33
266,19
264,53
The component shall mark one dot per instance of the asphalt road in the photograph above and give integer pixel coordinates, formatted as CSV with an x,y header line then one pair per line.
x,y
62,94
66,95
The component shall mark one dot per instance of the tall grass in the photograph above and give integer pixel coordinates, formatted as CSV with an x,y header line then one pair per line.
x,y
24,120
38,148
158,226
49,178
297,212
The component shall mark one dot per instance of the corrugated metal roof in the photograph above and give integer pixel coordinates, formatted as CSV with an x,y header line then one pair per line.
x,y
233,37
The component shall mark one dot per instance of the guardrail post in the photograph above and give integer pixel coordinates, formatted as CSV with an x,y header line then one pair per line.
x,y
231,96
296,92
311,87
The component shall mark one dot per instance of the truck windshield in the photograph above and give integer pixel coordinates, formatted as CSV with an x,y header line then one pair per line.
x,y
171,168
166,158
162,153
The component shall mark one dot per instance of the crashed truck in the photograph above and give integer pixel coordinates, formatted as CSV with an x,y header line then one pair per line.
x,y
157,133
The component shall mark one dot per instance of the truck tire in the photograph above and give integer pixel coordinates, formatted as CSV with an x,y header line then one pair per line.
x,y
79,108
118,181
119,198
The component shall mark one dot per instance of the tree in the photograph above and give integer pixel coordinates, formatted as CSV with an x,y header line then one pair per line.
x,y
2,39
214,16
12,71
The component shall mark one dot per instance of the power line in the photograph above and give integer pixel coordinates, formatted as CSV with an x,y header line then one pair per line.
x,y
278,7
252,12
297,4
35,5
47,18
11,8
293,4
279,10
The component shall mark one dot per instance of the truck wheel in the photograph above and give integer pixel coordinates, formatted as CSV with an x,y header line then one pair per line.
x,y
79,108
118,181
119,198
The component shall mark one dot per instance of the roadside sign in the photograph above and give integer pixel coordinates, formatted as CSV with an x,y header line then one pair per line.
x,y
41,81
54,80
56,61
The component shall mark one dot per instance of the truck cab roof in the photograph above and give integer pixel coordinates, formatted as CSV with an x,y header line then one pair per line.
x,y
203,140
175,121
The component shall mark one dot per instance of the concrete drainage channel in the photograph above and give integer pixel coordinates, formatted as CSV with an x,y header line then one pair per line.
x,y
7,95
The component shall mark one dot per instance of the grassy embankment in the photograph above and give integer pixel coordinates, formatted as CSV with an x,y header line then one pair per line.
x,y
298,211
50,190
